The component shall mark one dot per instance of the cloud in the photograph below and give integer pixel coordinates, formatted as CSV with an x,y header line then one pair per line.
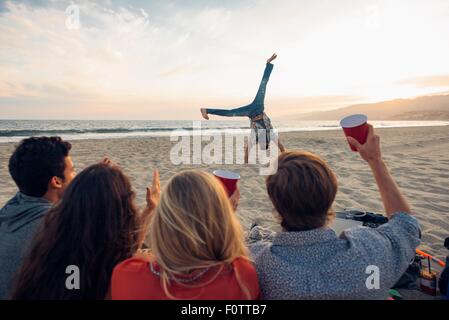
x,y
435,81
5,5
37,47
118,51
186,54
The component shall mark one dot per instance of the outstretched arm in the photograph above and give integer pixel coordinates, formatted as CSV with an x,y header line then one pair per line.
x,y
392,197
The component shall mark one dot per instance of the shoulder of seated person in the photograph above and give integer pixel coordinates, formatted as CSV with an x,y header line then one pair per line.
x,y
403,218
243,263
136,262
396,220
258,246
144,254
246,270
406,219
402,214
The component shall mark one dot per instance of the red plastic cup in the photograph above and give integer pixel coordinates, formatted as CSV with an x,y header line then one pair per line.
x,y
355,126
229,180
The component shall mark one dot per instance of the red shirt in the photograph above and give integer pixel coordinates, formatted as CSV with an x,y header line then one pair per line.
x,y
136,279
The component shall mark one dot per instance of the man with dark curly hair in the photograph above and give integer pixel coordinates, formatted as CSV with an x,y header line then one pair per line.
x,y
42,169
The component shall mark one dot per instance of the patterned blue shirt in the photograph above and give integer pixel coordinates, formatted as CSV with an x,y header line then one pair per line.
x,y
317,264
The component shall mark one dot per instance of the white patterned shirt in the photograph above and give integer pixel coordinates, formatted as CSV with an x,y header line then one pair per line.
x,y
317,264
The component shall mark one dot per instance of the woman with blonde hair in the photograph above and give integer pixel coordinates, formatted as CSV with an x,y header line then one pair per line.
x,y
197,248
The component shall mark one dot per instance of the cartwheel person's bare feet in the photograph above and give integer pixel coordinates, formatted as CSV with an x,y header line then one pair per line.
x,y
274,56
204,113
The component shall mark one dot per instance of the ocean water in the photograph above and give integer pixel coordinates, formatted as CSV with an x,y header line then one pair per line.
x,y
15,130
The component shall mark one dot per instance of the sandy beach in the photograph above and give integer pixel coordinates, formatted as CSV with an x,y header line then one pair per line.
x,y
417,158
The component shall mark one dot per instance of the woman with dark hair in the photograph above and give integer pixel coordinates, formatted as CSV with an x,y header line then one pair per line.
x,y
94,227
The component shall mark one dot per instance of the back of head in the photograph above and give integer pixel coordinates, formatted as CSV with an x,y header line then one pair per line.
x,y
194,225
302,191
94,227
100,203
35,161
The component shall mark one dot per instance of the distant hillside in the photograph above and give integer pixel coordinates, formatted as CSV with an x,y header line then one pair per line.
x,y
422,108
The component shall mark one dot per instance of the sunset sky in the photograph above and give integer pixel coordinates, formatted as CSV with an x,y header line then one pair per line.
x,y
165,59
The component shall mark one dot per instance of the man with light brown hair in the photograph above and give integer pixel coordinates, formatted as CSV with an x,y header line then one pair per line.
x,y
308,260
300,170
